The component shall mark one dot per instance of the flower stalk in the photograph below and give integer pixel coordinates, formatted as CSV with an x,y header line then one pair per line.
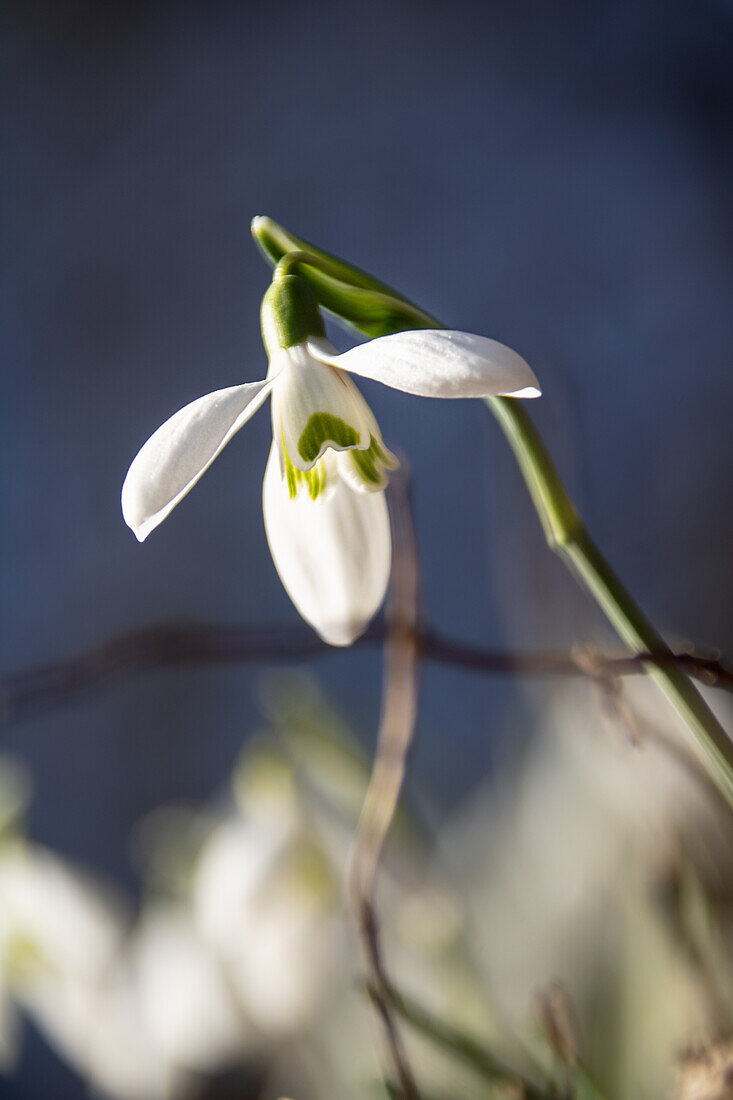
x,y
371,307
568,537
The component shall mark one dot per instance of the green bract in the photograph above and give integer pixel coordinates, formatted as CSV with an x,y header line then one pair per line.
x,y
352,295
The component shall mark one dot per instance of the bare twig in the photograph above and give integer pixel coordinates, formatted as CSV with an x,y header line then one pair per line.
x,y
36,691
397,725
709,670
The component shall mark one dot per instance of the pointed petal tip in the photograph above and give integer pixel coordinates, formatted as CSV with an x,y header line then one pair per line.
x,y
527,392
140,527
260,224
141,530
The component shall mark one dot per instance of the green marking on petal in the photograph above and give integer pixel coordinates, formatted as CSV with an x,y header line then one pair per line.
x,y
371,463
366,464
315,479
385,456
292,478
325,428
369,467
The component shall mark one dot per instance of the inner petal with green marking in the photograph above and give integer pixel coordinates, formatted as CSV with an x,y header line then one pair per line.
x,y
366,471
316,408
324,430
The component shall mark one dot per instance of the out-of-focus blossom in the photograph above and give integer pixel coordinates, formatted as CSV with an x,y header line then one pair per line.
x,y
561,868
265,898
61,940
186,1007
99,1031
52,919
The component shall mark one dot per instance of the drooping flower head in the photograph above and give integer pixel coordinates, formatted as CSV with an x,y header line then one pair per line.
x,y
323,494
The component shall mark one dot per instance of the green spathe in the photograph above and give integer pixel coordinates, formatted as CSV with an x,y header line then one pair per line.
x,y
350,294
289,313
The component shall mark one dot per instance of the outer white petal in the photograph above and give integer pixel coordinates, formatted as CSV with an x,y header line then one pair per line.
x,y
175,457
333,556
436,363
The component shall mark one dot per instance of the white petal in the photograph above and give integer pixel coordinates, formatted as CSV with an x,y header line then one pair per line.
x,y
315,408
175,457
186,1003
333,556
436,363
48,905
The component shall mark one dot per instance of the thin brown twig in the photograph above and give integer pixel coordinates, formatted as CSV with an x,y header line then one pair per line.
x,y
32,692
396,729
584,662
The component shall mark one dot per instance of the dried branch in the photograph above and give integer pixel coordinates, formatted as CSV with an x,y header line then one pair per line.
x,y
36,691
396,729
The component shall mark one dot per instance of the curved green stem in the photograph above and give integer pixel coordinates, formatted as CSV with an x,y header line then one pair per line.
x,y
567,536
375,309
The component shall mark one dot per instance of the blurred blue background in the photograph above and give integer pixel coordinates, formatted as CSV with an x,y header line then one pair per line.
x,y
557,176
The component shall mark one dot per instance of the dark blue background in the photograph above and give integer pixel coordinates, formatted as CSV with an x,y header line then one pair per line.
x,y
557,176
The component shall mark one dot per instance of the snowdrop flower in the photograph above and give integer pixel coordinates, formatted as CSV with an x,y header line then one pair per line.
x,y
325,514
52,919
60,941
265,900
185,1004
98,1029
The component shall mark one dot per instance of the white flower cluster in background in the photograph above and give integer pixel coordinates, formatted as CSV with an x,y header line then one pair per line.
x,y
595,864
240,954
594,860
233,958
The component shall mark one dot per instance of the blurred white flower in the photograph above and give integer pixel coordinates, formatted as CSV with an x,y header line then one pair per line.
x,y
99,1030
61,940
52,919
562,865
186,1007
265,900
